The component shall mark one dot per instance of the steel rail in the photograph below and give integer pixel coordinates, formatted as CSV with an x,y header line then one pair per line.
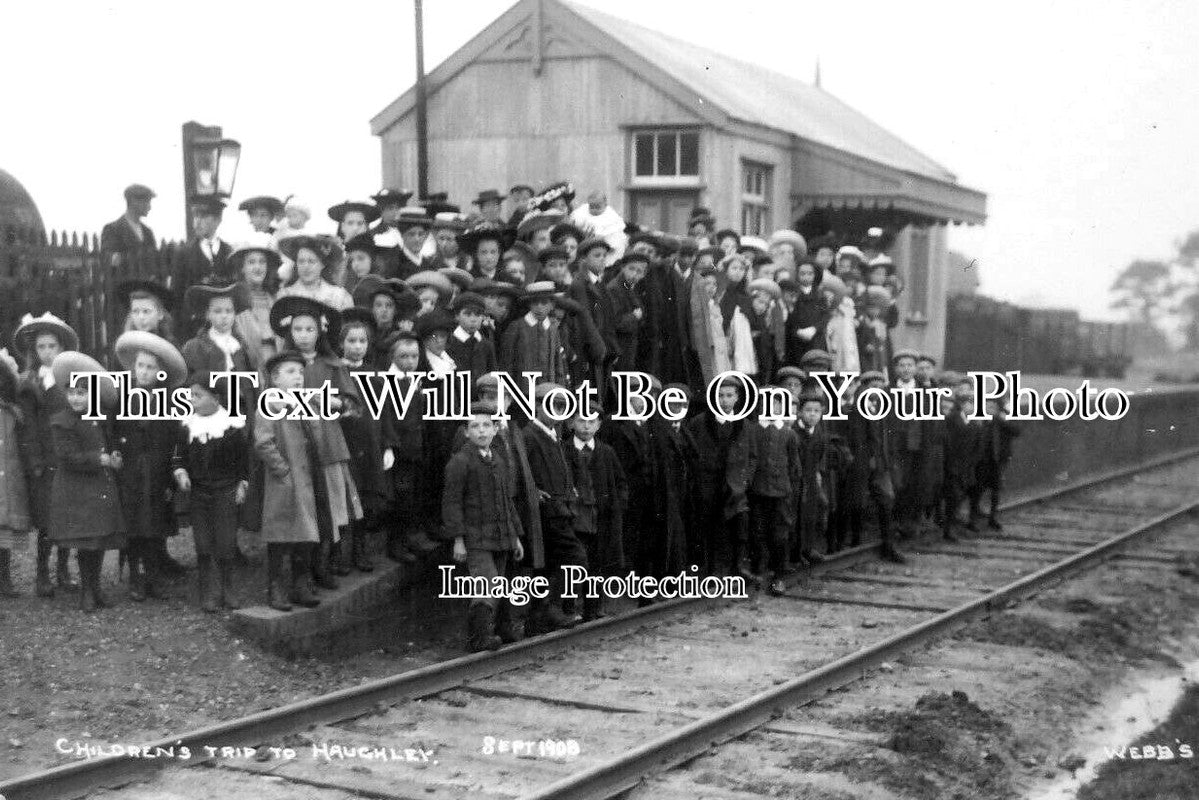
x,y
77,778
617,775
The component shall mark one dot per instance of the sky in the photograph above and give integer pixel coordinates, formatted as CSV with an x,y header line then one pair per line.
x,y
1078,119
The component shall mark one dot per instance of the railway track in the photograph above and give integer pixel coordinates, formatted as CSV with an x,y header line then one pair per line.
x,y
589,713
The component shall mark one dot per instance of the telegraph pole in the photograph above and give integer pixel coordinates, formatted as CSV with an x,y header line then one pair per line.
x,y
422,111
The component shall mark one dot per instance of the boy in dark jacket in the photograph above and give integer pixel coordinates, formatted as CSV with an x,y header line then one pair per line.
x,y
963,446
603,493
871,487
470,349
773,490
404,459
481,519
995,452
558,498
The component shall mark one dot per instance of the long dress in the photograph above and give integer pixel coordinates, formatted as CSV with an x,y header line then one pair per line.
x,y
843,337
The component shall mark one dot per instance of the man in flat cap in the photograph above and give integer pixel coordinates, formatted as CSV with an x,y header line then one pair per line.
x,y
127,239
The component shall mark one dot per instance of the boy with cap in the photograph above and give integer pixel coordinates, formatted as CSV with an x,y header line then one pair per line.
x,y
963,450
532,343
603,493
558,496
481,519
908,445
472,352
870,443
627,308
995,452
773,490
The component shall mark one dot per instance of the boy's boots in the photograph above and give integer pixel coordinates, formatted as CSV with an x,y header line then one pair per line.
x,y
6,587
480,629
276,574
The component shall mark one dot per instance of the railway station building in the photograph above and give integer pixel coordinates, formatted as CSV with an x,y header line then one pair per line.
x,y
553,90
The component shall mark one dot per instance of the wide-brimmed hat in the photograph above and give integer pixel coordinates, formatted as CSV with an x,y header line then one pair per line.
x,y
70,362
849,251
364,242
391,197
468,300
125,290
533,222
413,216
459,277
436,320
469,239
31,327
564,229
449,221
765,285
488,196
208,203
327,248
271,204
432,279
437,202
539,290
553,251
371,285
357,314
259,243
905,352
592,242
170,360
487,286
793,238
196,298
370,211
285,309
563,190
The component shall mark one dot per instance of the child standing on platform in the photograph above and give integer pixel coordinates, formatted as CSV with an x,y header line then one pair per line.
x,y
85,512
481,519
41,339
211,460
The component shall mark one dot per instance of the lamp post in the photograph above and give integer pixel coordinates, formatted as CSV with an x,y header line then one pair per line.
x,y
209,165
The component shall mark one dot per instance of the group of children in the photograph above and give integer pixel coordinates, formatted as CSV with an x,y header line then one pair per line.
x,y
529,495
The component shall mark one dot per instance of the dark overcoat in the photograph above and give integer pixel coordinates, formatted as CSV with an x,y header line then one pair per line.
x,y
611,497
726,458
145,479
476,503
85,509
38,404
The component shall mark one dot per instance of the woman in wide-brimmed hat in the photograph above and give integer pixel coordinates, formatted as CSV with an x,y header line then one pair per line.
x,y
392,305
317,259
40,340
256,262
353,218
147,447
360,261
484,243
310,329
85,511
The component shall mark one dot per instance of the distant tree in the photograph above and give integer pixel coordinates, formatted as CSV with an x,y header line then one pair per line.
x,y
1144,291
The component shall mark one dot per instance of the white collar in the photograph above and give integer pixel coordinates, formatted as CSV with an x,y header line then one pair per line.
x,y
485,454
778,423
531,321
910,383
593,277
226,341
46,375
201,429
581,445
548,432
462,336
441,363
415,258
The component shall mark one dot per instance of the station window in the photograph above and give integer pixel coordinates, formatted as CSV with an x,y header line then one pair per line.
x,y
666,154
756,182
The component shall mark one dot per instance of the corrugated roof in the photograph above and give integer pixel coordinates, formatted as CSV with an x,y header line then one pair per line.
x,y
757,95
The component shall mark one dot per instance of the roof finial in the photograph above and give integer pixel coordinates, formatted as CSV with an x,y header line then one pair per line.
x,y
817,81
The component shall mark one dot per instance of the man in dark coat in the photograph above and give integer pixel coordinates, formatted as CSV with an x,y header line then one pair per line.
x,y
127,243
627,309
203,260
674,452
